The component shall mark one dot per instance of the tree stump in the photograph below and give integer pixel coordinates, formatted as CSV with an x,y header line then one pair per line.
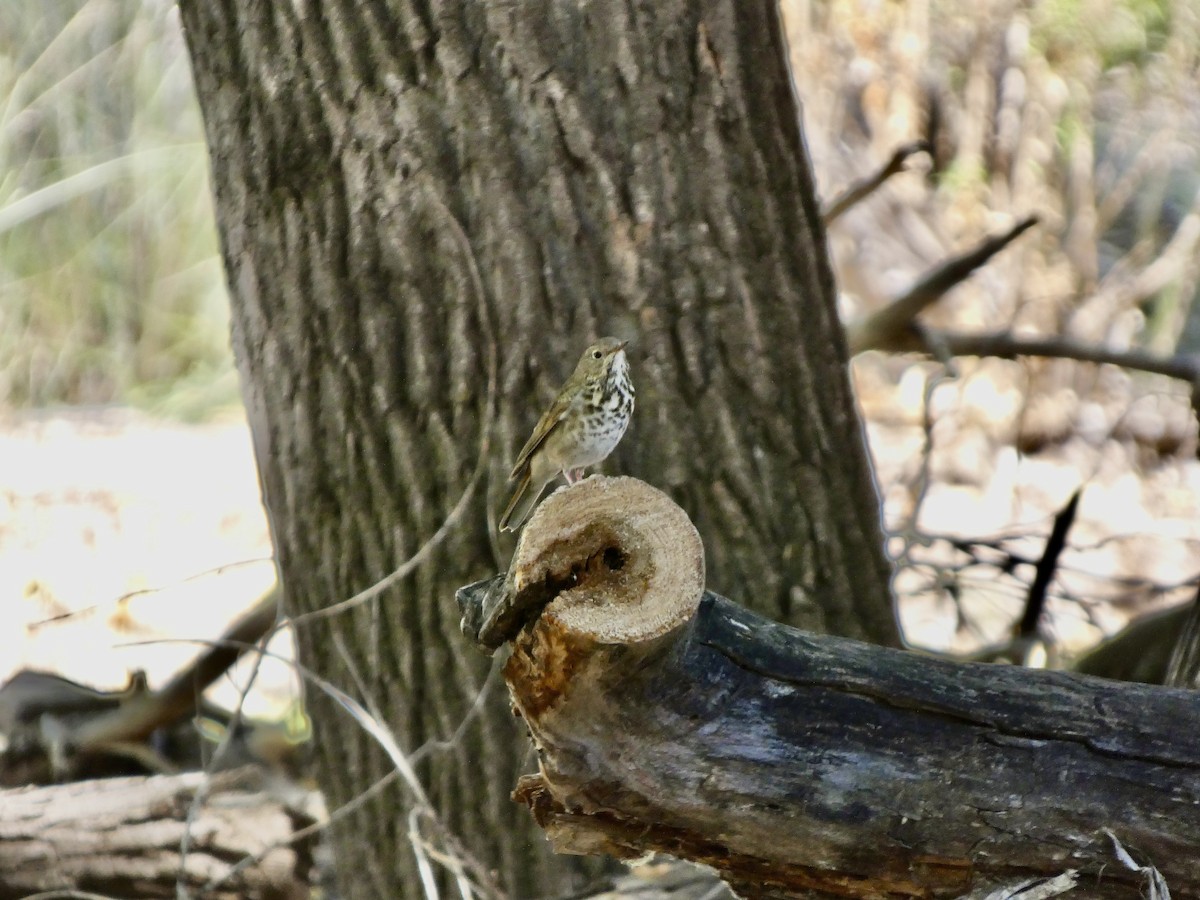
x,y
667,718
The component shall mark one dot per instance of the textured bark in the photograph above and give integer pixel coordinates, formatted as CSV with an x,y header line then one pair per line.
x,y
414,195
800,765
121,836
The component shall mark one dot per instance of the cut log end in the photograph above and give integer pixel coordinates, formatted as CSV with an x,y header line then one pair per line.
x,y
627,562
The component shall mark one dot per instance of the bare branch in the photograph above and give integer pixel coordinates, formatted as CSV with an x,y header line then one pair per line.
x,y
867,186
1150,156
1004,345
142,713
1127,286
891,328
1046,567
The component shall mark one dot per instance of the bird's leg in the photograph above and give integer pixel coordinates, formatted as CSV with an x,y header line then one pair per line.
x,y
572,475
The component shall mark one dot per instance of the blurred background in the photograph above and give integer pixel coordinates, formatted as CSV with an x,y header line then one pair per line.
x,y
1086,114
129,501
129,504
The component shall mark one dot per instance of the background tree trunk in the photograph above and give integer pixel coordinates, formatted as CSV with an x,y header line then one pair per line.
x,y
414,198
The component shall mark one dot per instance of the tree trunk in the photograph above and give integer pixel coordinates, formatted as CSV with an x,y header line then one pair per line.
x,y
668,719
420,202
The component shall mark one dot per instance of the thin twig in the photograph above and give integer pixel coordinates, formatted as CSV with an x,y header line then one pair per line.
x,y
860,190
431,746
140,716
424,866
1003,345
373,726
128,595
408,566
1047,565
179,684
423,849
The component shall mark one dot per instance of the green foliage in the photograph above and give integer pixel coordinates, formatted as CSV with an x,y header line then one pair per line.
x,y
1112,32
111,288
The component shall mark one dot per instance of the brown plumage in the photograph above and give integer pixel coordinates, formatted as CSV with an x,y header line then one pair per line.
x,y
582,426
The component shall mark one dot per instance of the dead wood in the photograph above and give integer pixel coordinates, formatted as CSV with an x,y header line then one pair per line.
x,y
806,765
893,327
51,728
120,837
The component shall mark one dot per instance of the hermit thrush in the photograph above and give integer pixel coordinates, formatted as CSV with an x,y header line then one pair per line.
x,y
581,427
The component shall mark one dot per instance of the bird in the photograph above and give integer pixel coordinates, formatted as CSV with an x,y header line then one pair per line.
x,y
582,426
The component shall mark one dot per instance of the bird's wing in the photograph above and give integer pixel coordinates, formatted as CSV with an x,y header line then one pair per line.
x,y
550,420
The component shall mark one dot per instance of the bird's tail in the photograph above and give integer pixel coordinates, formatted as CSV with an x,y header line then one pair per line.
x,y
521,504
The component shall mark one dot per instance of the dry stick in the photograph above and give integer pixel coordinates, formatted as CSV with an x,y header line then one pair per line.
x,y
1043,574
270,604
1003,345
892,328
426,749
138,718
1047,565
404,764
860,190
140,592
423,849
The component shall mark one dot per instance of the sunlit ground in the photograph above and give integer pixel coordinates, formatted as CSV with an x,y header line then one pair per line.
x,y
1134,545
117,530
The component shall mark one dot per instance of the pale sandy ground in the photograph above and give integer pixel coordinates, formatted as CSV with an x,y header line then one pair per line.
x,y
95,504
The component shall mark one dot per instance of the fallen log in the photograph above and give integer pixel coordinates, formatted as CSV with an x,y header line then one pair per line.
x,y
120,837
667,718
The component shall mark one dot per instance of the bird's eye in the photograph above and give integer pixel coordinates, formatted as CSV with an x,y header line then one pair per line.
x,y
596,354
